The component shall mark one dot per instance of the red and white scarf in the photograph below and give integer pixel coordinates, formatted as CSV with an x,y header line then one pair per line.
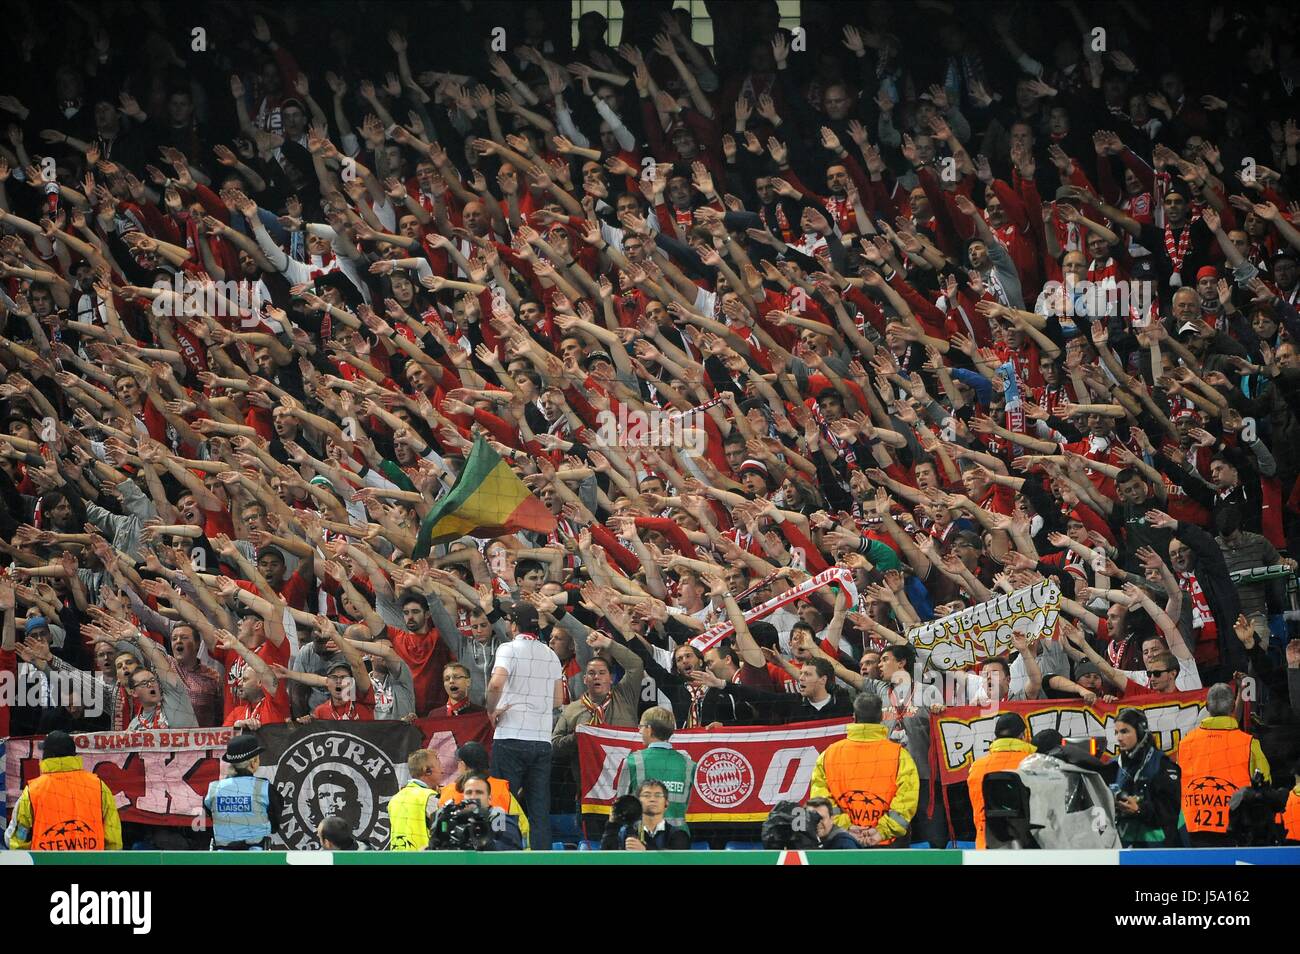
x,y
1177,252
1200,606
838,575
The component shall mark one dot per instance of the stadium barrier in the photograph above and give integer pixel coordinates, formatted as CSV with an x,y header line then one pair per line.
x,y
1184,856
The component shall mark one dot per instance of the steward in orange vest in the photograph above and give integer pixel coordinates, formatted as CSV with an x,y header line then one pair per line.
x,y
1007,751
1217,758
1291,815
66,808
871,778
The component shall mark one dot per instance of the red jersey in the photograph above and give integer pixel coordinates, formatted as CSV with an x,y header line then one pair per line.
x,y
426,654
266,710
361,709
234,666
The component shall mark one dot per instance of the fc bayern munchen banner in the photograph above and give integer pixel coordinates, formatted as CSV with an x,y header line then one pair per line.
x,y
962,734
741,771
344,769
158,776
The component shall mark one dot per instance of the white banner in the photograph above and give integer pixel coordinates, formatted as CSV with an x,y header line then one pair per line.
x,y
981,632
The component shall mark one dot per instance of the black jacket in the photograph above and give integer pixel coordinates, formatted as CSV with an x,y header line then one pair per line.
x,y
1220,592
1159,804
779,708
716,706
669,838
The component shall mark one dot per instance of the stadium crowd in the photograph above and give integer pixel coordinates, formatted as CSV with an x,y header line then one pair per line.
x,y
957,303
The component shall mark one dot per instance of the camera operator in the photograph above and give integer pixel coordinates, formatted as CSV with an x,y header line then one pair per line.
x,y
830,835
475,824
651,832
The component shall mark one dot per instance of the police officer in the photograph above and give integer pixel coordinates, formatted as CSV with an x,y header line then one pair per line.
x,y
660,761
413,807
1217,759
244,808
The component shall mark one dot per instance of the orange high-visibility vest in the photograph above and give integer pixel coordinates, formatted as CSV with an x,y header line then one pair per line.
x,y
1291,817
993,762
500,797
1215,763
67,812
862,778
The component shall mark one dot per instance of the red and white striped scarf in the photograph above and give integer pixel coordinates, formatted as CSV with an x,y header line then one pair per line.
x,y
1200,606
1177,251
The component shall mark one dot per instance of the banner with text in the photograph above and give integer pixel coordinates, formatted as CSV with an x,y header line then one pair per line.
x,y
836,575
345,769
980,632
741,771
963,734
158,776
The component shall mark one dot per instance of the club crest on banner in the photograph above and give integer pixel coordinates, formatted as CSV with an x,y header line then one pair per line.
x,y
724,778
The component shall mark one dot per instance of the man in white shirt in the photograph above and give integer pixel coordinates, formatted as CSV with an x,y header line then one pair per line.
x,y
526,688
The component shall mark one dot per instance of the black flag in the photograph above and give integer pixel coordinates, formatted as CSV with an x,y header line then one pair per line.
x,y
347,769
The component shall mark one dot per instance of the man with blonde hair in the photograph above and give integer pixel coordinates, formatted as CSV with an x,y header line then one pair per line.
x,y
412,808
660,761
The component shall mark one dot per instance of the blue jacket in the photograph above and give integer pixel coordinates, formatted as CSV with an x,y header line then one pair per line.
x,y
240,807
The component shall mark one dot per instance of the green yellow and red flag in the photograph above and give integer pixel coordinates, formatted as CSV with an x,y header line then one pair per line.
x,y
487,500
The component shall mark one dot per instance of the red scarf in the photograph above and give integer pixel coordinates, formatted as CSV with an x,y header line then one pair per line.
x,y
1201,614
697,704
1178,253
842,213
598,710
783,228
348,715
453,708
155,721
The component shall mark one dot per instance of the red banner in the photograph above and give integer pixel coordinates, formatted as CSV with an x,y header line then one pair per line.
x,y
962,734
741,772
444,734
158,776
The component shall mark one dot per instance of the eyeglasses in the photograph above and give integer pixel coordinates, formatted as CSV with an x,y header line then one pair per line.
x,y
1152,673
146,683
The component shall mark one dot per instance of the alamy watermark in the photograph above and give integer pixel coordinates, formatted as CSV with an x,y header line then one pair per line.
x,y
630,427
1108,298
56,688
215,299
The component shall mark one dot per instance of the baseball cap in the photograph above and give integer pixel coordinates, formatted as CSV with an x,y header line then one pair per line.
x,y
525,617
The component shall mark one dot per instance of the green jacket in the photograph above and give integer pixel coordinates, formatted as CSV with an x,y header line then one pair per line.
x,y
661,762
